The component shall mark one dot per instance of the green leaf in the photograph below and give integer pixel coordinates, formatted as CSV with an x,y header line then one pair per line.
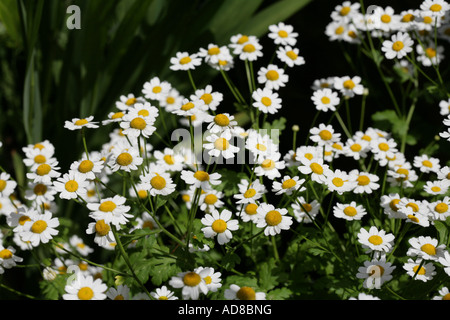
x,y
442,230
268,274
230,180
279,294
230,260
275,128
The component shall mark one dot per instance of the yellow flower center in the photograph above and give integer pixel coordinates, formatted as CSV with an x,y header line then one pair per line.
x,y
446,297
291,55
428,249
102,228
185,60
349,84
119,297
246,293
158,182
316,168
169,159
191,279
85,166
363,180
268,164
408,17
350,211
436,7
39,226
117,115
273,218
71,186
421,271
81,122
261,147
266,101
219,226
43,169
24,219
339,30
356,147
138,123
210,199
413,206
130,101
124,159
249,48
221,144
427,19
170,100
283,34
289,183
272,75
325,135
375,240
435,189
201,175
383,146
325,100
251,208
243,39
308,156
249,193
222,120
5,254
148,225
213,51
397,46
39,146
107,206
441,207
306,206
386,18
187,106
430,52
207,98
143,112
39,158
40,189
2,185
85,293
366,137
344,11
338,182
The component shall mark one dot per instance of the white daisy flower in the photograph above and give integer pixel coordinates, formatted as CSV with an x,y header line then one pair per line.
x,y
385,19
350,211
398,47
213,53
317,169
248,212
163,293
35,157
383,148
155,89
290,56
339,181
272,77
44,173
188,107
288,185
325,99
211,278
375,273
219,145
8,259
266,101
429,54
158,182
445,261
71,185
219,225
436,187
200,179
7,185
114,117
444,106
236,292
349,86
210,200
283,34
260,145
440,209
125,158
249,192
270,166
365,182
112,210
126,101
138,122
247,48
220,122
43,146
305,212
444,294
272,219
336,30
40,228
102,232
121,292
323,83
308,153
171,99
185,61
324,134
345,11
436,7
210,98
426,248
77,123
376,240
85,288
88,167
80,246
169,159
424,272
40,193
191,283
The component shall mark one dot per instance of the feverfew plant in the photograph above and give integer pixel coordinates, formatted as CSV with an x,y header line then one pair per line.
x,y
219,207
